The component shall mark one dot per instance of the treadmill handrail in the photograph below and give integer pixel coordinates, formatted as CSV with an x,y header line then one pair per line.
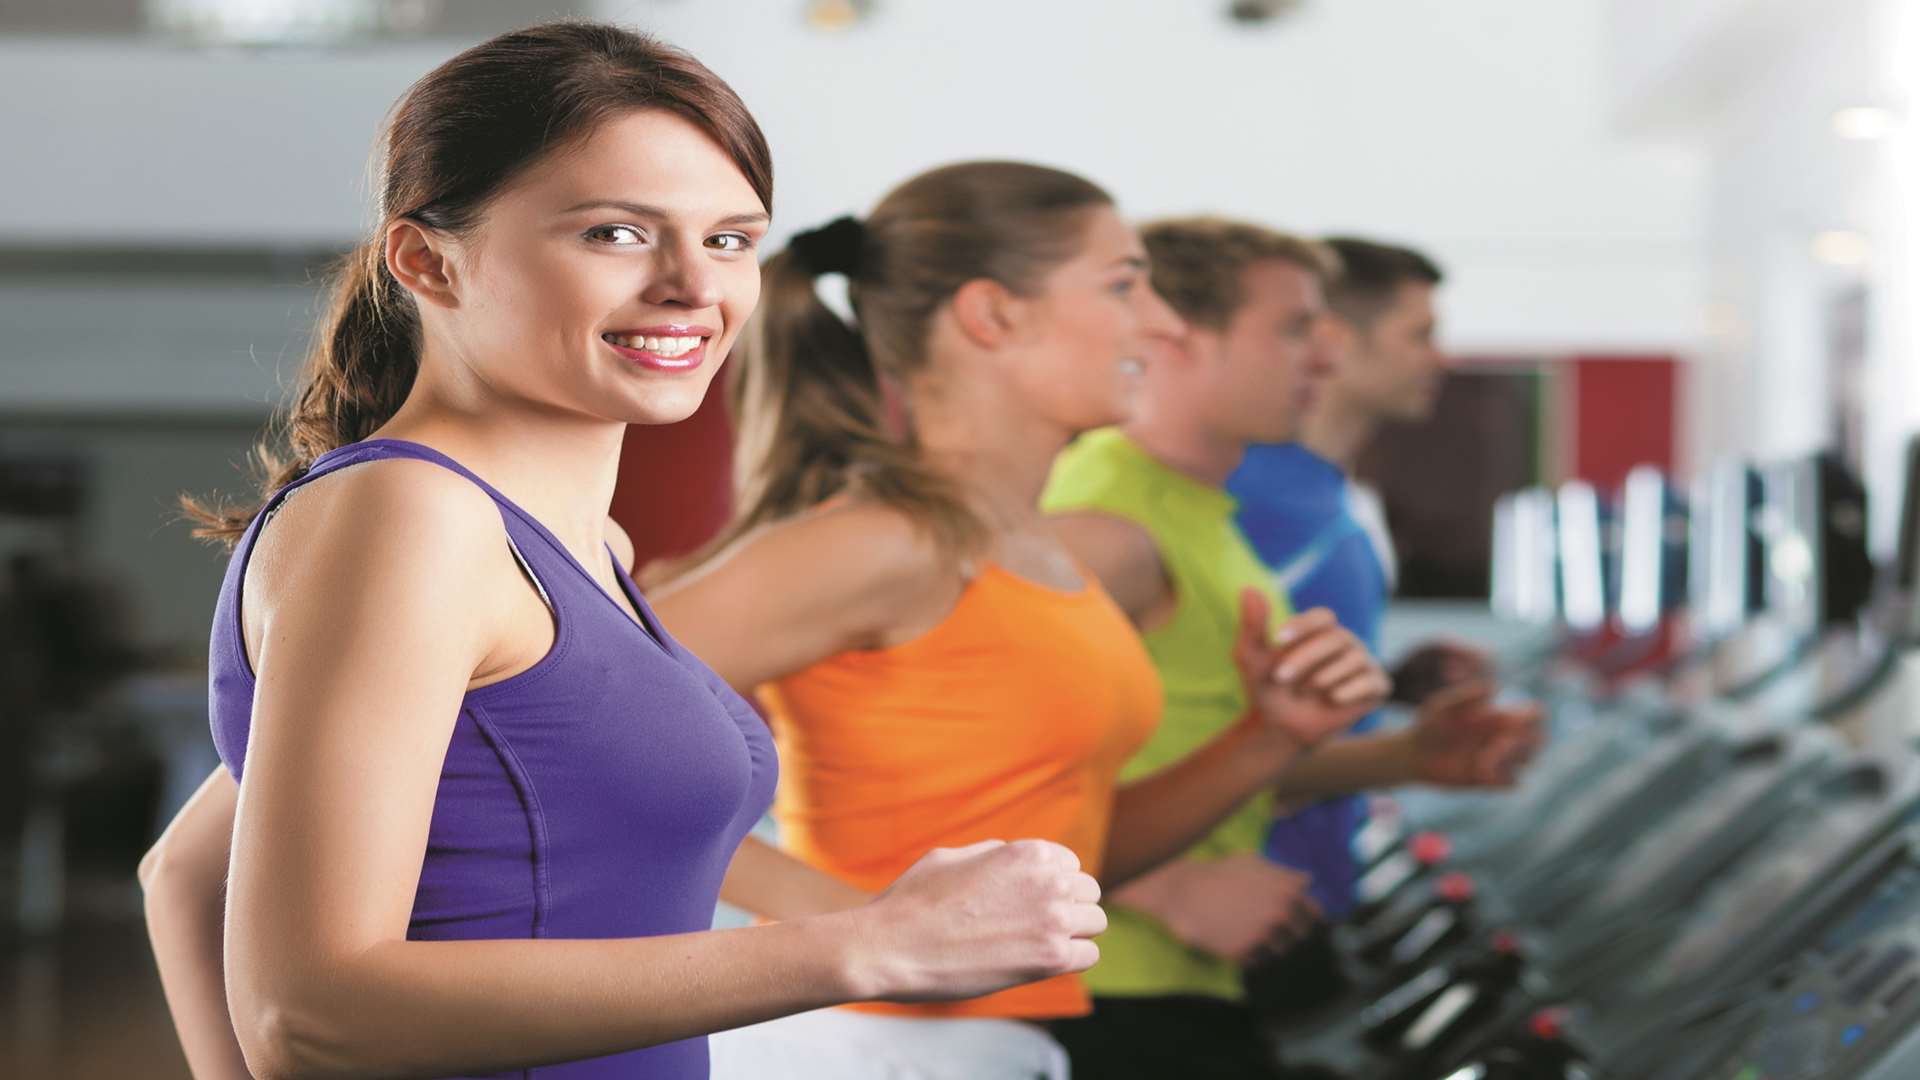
x,y
1804,647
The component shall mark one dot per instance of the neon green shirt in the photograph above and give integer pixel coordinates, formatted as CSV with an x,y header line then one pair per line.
x,y
1209,562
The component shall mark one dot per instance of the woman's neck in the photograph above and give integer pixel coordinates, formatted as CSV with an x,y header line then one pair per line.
x,y
999,452
560,468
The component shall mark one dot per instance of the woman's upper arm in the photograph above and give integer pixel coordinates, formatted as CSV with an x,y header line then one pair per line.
x,y
368,612
803,590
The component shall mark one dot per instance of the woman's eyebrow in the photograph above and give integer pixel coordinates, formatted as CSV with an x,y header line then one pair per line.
x,y
756,217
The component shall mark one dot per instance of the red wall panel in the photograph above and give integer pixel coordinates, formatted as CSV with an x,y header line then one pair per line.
x,y
1624,416
676,487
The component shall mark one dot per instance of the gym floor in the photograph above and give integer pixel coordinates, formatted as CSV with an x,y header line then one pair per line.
x,y
86,1004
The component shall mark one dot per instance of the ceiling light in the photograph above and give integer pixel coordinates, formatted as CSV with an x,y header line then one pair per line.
x,y
837,14
286,22
1842,247
1865,123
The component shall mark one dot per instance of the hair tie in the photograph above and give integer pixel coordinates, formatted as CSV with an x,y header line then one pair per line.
x,y
834,248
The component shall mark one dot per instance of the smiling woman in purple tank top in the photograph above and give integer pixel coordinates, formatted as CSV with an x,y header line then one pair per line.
x,y
485,801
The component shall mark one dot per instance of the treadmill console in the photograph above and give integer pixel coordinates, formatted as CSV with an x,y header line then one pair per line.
x,y
1740,807
1857,993
1812,856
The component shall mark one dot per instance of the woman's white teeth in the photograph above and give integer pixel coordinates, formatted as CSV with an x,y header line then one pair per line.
x,y
1132,367
661,346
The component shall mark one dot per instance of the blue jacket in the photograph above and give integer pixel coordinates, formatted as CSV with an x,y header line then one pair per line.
x,y
1294,510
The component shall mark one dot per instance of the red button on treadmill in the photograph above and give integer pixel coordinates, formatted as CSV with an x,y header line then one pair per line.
x,y
1547,1024
1430,848
1455,888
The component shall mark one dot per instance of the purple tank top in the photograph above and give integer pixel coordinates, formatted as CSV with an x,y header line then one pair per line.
x,y
599,794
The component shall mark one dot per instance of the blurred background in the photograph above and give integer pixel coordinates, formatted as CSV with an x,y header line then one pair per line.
x,y
1673,230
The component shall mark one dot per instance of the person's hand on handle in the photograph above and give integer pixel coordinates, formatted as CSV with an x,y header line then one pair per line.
x,y
1307,680
963,922
1436,666
1237,907
1462,738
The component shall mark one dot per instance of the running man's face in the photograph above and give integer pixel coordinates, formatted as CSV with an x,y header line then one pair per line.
x,y
1268,364
1393,368
610,281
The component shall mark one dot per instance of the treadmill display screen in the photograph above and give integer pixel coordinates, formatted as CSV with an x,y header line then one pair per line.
x,y
1643,549
1789,525
1909,569
1724,562
1583,590
1502,572
1535,597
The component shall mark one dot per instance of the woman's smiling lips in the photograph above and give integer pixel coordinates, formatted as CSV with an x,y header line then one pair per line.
x,y
673,347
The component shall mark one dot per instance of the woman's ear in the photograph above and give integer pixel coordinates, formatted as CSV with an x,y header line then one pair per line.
x,y
419,260
986,312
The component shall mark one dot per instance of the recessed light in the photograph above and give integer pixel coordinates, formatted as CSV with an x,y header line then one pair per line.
x,y
1842,247
836,14
1865,123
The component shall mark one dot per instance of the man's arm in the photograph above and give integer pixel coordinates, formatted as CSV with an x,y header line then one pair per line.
x,y
1124,557
1460,738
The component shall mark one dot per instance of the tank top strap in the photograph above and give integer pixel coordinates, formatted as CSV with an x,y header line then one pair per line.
x,y
538,551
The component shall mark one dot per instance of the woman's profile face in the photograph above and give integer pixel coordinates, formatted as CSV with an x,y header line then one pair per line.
x,y
1094,323
611,279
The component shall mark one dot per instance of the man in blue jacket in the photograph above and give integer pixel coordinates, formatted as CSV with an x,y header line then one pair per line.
x,y
1324,535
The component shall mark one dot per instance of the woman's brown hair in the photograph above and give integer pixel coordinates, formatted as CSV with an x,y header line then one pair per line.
x,y
458,137
807,391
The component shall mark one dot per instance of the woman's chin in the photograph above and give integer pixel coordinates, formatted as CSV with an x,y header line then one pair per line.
x,y
668,405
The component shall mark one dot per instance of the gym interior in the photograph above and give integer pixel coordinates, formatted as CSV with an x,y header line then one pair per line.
x,y
1668,489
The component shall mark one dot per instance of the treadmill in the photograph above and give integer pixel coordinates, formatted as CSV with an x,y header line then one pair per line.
x,y
1605,764
1586,801
1805,962
1848,1006
1779,810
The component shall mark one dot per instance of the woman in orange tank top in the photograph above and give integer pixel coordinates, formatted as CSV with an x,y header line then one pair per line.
x,y
1011,718
937,669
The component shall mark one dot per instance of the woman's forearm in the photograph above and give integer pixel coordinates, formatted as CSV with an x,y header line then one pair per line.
x,y
184,878
421,1008
184,920
768,882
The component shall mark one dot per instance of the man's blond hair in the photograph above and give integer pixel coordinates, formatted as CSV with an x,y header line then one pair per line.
x,y
1199,263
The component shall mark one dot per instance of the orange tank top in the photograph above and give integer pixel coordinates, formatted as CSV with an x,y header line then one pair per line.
x,y
1010,719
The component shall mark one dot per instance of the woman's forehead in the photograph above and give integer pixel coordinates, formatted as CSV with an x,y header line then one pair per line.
x,y
646,157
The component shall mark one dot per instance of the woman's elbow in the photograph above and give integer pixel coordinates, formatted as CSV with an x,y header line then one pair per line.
x,y
148,872
284,1039
268,1044
168,870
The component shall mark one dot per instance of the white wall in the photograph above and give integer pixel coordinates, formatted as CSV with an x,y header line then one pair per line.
x,y
1755,84
1477,127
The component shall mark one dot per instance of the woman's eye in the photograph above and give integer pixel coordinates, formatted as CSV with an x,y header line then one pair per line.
x,y
615,234
1121,288
730,242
